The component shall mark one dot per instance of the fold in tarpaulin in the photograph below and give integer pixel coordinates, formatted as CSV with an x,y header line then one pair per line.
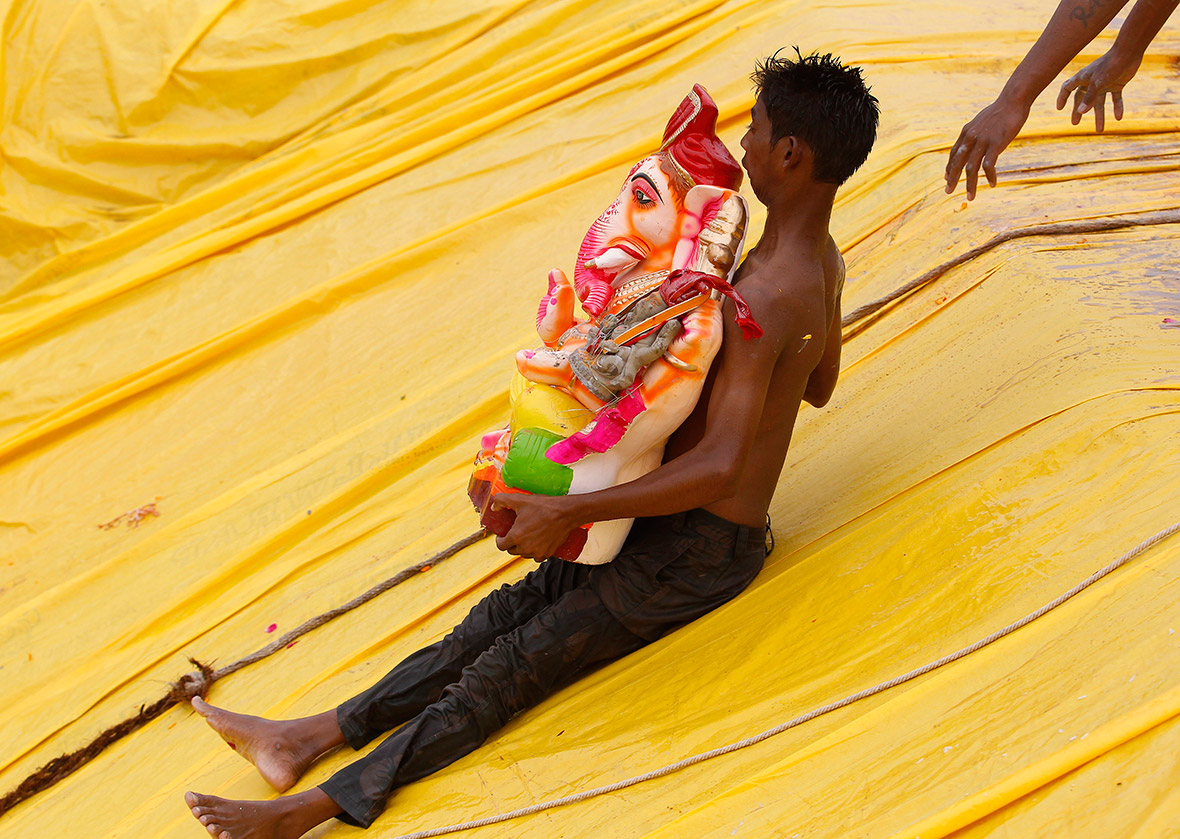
x,y
264,267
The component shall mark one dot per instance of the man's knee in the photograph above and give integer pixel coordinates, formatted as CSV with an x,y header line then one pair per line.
x,y
560,644
501,683
499,612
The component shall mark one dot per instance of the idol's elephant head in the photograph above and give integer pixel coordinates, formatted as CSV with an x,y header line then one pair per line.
x,y
657,217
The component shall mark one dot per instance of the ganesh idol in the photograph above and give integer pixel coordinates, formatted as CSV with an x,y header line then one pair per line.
x,y
593,406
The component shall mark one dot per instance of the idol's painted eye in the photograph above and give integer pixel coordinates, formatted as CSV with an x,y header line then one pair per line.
x,y
645,191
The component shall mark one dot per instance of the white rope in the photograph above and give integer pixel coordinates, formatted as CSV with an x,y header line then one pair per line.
x,y
810,715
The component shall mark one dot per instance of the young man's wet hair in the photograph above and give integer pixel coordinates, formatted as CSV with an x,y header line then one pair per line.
x,y
825,104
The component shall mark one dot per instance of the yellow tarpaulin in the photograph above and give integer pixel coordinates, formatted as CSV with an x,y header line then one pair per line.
x,y
263,265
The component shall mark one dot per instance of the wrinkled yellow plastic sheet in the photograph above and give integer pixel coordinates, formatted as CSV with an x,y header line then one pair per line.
x,y
264,265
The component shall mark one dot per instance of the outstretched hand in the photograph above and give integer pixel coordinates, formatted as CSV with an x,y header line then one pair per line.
x,y
1090,85
541,525
980,143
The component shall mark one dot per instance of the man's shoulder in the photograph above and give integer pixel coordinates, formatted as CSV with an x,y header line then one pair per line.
x,y
793,283
789,315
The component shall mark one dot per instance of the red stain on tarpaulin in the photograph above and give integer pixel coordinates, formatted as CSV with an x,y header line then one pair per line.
x,y
134,517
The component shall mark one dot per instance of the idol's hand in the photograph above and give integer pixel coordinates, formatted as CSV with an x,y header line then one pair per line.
x,y
619,367
981,141
1108,74
555,314
542,524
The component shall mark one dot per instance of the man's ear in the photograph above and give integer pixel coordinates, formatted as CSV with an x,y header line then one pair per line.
x,y
790,152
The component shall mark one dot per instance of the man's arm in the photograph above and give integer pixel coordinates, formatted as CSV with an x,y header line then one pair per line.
x,y
822,382
1073,25
710,470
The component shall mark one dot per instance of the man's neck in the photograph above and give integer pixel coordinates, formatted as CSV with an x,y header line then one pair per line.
x,y
799,216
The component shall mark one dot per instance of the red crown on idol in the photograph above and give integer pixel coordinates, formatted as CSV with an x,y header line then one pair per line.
x,y
691,141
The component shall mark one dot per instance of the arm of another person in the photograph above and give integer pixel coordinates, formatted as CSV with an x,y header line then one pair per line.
x,y
1073,25
1111,72
710,470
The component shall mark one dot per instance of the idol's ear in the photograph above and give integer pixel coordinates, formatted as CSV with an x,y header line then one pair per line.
x,y
713,231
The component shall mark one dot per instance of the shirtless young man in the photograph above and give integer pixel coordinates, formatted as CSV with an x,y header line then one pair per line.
x,y
700,540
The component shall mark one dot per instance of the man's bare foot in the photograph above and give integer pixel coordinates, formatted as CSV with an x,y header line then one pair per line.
x,y
281,749
288,817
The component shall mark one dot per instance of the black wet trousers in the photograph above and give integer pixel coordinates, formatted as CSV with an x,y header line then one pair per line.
x,y
525,640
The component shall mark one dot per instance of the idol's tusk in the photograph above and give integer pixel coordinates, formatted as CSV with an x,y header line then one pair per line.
x,y
680,365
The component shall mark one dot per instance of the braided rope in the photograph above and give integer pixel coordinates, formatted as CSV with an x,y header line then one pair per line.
x,y
198,682
319,620
810,715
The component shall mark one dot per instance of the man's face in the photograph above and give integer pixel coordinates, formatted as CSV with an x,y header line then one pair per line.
x,y
758,150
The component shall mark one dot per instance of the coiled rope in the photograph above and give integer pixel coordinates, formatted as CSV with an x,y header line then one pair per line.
x,y
810,715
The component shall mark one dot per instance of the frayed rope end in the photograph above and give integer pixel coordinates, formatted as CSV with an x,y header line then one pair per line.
x,y
195,683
